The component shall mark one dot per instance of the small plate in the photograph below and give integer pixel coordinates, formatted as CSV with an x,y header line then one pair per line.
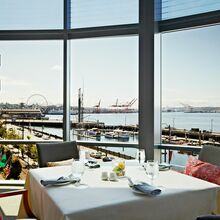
x,y
164,168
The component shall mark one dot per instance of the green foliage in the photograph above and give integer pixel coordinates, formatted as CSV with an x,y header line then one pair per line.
x,y
31,150
3,132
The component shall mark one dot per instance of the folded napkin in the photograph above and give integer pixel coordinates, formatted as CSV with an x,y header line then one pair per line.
x,y
146,189
59,181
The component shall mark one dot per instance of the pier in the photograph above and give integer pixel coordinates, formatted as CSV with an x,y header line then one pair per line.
x,y
59,124
169,134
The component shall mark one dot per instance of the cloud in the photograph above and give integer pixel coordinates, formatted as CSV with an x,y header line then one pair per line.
x,y
5,80
15,82
56,68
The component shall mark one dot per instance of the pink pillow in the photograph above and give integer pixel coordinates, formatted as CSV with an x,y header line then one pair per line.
x,y
202,170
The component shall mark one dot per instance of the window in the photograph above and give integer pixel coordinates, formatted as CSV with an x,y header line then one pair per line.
x,y
180,8
31,87
31,14
105,78
190,88
103,12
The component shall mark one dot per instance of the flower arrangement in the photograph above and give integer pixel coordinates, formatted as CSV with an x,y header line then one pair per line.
x,y
119,169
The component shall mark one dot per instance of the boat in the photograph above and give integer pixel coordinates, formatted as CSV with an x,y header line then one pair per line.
x,y
79,130
110,135
122,135
94,132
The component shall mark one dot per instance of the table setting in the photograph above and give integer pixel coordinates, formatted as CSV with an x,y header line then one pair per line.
x,y
119,189
117,173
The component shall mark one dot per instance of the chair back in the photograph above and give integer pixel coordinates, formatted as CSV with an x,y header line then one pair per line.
x,y
51,152
210,154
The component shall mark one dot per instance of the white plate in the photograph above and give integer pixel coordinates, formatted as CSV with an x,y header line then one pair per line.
x,y
163,168
61,183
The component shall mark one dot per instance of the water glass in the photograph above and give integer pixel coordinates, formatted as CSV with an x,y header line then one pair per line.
x,y
140,156
152,170
78,169
82,156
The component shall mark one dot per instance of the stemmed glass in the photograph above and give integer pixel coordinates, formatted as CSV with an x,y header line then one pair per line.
x,y
78,169
152,170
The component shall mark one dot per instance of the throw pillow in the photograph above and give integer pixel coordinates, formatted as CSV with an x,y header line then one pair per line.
x,y
203,170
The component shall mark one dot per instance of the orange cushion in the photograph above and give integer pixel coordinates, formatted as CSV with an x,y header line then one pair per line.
x,y
202,170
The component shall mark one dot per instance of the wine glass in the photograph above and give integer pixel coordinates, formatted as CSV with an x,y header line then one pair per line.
x,y
152,170
78,169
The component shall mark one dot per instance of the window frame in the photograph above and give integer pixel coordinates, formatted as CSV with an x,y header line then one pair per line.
x,y
146,30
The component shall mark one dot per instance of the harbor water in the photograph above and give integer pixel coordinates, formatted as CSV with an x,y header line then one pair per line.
x,y
180,120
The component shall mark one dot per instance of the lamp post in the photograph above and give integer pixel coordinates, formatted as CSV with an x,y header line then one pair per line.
x,y
23,129
173,123
211,125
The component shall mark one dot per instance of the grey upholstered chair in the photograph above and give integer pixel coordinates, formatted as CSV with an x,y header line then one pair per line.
x,y
51,152
210,154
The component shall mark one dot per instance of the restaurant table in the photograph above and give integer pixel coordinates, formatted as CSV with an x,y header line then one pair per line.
x,y
182,197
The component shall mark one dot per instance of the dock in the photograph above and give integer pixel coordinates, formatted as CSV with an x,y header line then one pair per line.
x,y
59,124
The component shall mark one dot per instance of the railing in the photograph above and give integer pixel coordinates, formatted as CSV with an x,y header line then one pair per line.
x,y
187,148
108,144
162,147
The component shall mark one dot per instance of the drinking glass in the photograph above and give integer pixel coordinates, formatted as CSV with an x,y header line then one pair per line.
x,y
140,156
82,156
152,170
78,169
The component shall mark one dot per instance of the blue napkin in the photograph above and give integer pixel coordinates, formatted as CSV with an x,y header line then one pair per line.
x,y
58,182
146,189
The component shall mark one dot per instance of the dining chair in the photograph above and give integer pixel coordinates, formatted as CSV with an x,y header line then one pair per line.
x,y
23,192
51,152
210,154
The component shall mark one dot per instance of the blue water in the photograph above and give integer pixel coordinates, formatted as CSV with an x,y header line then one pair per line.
x,y
203,121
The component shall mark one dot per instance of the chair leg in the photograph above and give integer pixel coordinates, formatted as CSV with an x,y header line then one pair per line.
x,y
26,205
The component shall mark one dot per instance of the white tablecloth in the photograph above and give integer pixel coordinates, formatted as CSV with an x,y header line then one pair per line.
x,y
182,198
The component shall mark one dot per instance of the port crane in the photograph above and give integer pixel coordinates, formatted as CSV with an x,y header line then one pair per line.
x,y
188,108
97,106
124,105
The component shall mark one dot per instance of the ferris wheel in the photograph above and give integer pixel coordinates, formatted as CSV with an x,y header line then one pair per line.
x,y
37,101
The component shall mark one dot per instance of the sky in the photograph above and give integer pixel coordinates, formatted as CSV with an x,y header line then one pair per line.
x,y
191,67
105,68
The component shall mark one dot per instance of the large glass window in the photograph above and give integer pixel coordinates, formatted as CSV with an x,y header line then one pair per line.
x,y
190,86
95,13
30,91
105,89
31,14
30,88
179,8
